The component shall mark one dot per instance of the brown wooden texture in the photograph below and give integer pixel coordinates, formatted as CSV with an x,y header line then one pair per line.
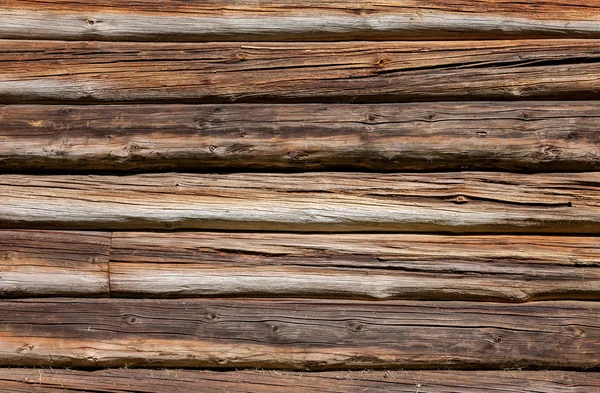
x,y
53,263
328,201
522,136
509,268
297,334
294,20
371,266
351,72
258,381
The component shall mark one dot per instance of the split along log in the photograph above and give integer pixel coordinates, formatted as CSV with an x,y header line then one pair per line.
x,y
15,380
53,263
368,266
339,72
298,334
513,136
328,201
172,20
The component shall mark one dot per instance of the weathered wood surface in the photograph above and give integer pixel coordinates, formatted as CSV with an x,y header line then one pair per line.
x,y
15,380
326,201
351,72
148,20
527,136
297,334
368,266
375,266
53,263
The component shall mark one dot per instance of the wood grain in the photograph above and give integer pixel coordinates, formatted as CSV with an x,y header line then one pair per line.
x,y
507,268
53,263
327,201
350,72
16,380
297,334
513,136
367,266
149,20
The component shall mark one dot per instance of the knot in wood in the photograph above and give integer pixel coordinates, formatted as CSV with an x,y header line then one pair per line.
x,y
130,319
24,349
459,199
200,124
297,155
211,316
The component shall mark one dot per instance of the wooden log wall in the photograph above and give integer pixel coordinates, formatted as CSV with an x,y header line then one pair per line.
x,y
222,196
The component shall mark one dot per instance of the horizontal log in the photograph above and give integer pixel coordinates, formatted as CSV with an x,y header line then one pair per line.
x,y
367,266
353,72
326,201
296,334
148,20
17,380
372,266
53,263
554,136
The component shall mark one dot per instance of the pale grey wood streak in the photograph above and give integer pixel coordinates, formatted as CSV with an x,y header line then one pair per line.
x,y
372,266
515,136
149,20
298,334
326,201
351,72
53,263
15,380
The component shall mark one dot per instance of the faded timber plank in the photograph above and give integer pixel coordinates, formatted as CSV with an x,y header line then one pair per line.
x,y
422,381
53,263
297,334
350,72
527,136
328,201
293,20
372,266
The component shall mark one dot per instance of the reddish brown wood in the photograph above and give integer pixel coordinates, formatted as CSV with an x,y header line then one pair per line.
x,y
514,136
298,334
149,20
340,72
260,381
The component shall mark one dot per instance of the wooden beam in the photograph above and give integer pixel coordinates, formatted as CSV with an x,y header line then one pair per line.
x,y
16,380
298,334
327,201
506,268
350,72
53,263
540,136
148,20
367,266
